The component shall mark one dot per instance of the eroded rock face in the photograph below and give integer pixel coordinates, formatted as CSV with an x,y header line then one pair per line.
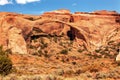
x,y
60,11
118,58
16,41
92,30
13,32
105,12
98,29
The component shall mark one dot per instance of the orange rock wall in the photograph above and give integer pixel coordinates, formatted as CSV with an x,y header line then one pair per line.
x,y
93,30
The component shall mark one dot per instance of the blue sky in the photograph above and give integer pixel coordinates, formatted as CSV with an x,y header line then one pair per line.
x,y
39,6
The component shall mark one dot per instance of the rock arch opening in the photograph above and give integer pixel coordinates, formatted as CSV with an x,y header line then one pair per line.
x,y
71,34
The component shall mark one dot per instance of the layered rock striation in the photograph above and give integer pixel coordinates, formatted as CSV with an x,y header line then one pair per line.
x,y
92,30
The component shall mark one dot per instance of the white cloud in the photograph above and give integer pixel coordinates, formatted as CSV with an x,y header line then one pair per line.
x,y
25,1
41,12
3,2
74,4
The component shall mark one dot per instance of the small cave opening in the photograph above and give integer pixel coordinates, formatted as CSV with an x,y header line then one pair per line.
x,y
35,37
37,33
71,34
71,19
117,20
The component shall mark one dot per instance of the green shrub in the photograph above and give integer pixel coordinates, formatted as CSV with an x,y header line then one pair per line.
x,y
6,52
5,65
55,39
80,51
61,44
62,34
48,36
44,45
31,47
5,62
40,53
2,52
46,53
64,51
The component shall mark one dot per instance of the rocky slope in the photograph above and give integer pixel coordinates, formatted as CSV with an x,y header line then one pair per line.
x,y
91,30
59,45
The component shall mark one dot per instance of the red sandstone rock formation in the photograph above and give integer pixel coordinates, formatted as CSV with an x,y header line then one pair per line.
x,y
92,30
104,12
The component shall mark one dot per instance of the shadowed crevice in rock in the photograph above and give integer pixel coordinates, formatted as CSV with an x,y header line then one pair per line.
x,y
71,34
93,30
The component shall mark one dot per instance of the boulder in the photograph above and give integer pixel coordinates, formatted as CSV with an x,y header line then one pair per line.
x,y
118,58
16,42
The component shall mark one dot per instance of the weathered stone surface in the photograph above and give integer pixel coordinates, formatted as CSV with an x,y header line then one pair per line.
x,y
13,32
105,12
98,29
118,58
16,41
92,30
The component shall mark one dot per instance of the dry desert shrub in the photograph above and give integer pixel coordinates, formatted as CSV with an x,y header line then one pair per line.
x,y
5,62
